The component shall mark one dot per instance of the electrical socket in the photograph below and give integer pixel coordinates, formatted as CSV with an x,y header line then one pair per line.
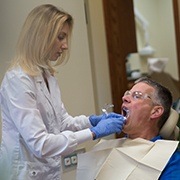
x,y
70,161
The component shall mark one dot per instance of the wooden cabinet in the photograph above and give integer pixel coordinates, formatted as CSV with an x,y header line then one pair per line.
x,y
121,40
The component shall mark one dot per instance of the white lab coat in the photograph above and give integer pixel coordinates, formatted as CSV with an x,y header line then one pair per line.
x,y
36,129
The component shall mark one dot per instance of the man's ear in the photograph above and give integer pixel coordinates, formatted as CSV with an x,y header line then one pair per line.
x,y
157,112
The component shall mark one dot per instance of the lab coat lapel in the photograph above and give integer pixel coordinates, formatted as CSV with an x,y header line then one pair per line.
x,y
53,91
43,88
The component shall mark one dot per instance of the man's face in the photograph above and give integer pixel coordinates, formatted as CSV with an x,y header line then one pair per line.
x,y
139,104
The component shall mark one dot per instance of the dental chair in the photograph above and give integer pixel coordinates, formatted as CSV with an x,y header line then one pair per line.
x,y
170,130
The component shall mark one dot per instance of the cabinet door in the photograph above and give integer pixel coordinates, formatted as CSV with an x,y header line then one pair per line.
x,y
121,40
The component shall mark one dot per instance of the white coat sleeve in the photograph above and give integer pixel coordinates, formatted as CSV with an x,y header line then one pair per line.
x,y
19,103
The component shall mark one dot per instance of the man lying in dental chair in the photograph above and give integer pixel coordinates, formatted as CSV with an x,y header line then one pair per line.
x,y
150,149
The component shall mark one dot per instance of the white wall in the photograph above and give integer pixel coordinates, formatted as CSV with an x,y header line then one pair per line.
x,y
159,14
98,52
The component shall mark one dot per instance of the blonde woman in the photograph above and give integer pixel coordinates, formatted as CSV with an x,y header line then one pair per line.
x,y
36,128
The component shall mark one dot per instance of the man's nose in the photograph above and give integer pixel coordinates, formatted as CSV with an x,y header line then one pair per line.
x,y
126,98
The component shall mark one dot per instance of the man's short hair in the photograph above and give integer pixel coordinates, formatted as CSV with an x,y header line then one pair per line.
x,y
162,97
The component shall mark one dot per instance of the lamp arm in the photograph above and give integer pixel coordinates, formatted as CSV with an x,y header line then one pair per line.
x,y
144,23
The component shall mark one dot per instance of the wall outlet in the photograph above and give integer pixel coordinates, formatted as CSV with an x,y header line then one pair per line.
x,y
70,161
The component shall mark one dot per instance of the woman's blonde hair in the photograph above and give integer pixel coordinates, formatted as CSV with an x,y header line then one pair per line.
x,y
37,38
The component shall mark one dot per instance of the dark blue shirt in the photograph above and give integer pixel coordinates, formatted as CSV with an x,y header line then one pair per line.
x,y
172,169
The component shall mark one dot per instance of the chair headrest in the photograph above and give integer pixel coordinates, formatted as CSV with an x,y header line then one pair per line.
x,y
170,130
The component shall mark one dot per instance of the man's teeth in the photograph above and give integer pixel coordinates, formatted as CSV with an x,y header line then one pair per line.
x,y
126,112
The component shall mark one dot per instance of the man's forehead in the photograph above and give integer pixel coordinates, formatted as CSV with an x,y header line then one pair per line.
x,y
143,87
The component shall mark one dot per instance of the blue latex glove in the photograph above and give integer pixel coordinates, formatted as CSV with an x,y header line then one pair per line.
x,y
108,126
94,120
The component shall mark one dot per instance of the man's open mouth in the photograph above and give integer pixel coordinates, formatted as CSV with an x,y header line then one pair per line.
x,y
125,112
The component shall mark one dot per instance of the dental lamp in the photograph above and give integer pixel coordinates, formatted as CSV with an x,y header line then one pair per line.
x,y
147,50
